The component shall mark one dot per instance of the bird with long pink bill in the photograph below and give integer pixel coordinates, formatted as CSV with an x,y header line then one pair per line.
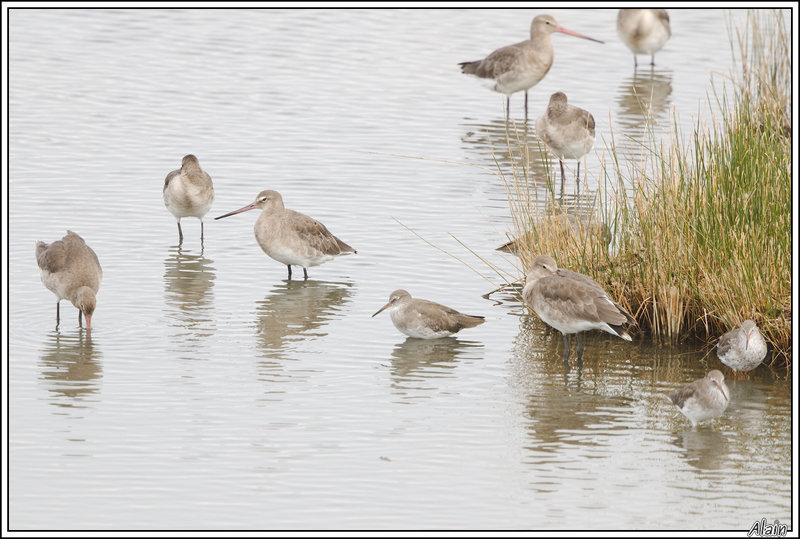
x,y
522,65
69,269
290,237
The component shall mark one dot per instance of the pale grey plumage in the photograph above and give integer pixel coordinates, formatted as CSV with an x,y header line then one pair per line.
x,y
703,399
425,319
742,349
572,302
522,65
291,237
188,192
644,31
566,130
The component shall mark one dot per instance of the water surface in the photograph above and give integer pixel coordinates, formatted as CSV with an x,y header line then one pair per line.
x,y
214,393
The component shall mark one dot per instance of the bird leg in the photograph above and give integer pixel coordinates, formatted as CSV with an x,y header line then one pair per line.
x,y
201,229
653,60
290,271
180,233
508,107
58,313
566,348
305,274
526,105
80,320
560,162
580,347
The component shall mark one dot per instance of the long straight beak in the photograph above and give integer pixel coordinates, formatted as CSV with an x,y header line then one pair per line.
x,y
575,34
240,210
721,390
746,340
382,309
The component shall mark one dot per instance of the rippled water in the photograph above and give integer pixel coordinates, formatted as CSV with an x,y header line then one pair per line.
x,y
214,393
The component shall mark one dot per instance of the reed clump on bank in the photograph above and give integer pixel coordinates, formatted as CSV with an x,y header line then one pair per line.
x,y
698,233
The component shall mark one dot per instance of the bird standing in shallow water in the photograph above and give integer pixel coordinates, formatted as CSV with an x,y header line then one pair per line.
x,y
567,130
290,237
423,319
742,349
69,269
522,65
703,399
644,31
188,192
572,303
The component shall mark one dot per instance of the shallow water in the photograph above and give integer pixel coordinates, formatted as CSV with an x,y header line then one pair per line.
x,y
214,393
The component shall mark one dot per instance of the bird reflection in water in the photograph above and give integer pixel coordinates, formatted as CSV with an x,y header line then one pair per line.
x,y
294,310
188,293
415,362
537,344
705,449
749,408
561,411
642,101
508,145
71,367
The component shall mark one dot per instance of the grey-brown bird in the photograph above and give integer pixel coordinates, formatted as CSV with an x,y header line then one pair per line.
x,y
566,130
522,65
572,302
290,237
188,192
423,319
644,31
703,399
742,349
69,269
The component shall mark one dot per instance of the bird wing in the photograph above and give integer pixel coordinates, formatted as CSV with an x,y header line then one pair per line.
x,y
169,177
580,299
589,282
590,123
578,277
51,258
77,252
439,317
573,299
498,62
317,236
682,395
725,343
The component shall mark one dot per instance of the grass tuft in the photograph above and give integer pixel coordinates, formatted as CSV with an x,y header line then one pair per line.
x,y
695,236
